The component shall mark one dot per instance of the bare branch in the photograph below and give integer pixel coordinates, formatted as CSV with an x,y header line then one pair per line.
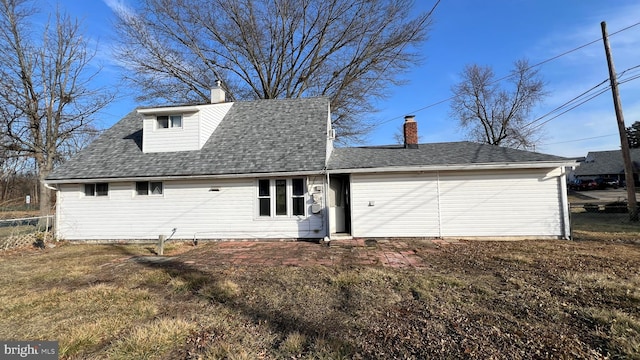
x,y
349,51
494,115
45,97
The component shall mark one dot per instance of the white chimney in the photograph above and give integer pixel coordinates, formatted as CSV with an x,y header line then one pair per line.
x,y
217,94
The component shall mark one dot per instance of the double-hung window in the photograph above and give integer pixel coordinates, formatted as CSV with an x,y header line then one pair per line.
x,y
264,197
297,196
98,189
281,197
149,188
169,121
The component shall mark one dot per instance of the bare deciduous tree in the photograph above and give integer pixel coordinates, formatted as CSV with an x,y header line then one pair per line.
x,y
347,50
45,98
496,115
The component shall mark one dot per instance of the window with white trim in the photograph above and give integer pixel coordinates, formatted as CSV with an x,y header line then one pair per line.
x,y
97,189
297,196
168,121
144,188
264,197
282,197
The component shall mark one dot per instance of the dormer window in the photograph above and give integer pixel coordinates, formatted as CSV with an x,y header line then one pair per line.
x,y
168,121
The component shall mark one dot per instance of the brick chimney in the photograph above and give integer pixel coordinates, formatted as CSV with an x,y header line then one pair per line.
x,y
217,93
410,132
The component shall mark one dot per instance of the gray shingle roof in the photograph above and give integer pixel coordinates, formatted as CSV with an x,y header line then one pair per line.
x,y
605,163
450,153
260,136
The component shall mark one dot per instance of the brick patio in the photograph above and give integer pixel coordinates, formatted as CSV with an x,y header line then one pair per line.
x,y
388,253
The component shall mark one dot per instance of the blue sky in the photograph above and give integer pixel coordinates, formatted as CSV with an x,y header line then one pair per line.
x,y
492,33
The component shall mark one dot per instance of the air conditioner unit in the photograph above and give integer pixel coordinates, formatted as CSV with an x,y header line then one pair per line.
x,y
332,134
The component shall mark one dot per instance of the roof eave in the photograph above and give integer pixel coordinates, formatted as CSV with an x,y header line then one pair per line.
x,y
183,177
457,167
168,110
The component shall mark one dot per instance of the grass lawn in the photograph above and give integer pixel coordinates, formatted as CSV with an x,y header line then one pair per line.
x,y
507,300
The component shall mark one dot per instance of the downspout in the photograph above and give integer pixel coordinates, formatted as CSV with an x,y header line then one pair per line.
x,y
325,200
439,207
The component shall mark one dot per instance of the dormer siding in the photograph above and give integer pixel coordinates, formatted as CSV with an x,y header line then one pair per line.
x,y
184,138
210,118
197,125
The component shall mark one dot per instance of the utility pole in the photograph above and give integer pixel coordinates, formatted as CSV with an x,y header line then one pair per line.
x,y
624,142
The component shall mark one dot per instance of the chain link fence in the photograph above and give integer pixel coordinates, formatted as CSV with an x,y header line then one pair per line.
x,y
26,231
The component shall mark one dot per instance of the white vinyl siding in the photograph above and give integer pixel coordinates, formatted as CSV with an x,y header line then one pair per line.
x,y
194,131
512,204
394,206
155,139
515,203
210,117
190,207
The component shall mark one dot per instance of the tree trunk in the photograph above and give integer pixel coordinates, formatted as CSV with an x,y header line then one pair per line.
x,y
45,197
45,194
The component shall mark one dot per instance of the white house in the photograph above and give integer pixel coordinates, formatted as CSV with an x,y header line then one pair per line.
x,y
268,169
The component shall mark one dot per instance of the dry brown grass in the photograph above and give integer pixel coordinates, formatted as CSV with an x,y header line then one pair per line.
x,y
15,214
517,300
605,227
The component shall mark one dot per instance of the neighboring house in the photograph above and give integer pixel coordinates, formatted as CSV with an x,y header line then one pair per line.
x,y
607,164
268,169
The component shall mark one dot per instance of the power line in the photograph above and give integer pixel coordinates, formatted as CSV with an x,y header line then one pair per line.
x,y
629,79
567,103
579,96
578,140
530,67
631,68
582,46
571,108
